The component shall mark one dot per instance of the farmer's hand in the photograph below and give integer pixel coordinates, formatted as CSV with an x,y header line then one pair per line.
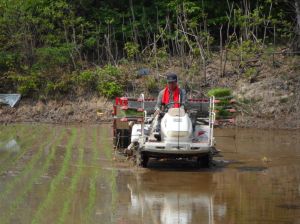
x,y
157,112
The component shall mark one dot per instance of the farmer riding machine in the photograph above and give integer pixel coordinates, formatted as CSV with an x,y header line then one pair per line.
x,y
185,133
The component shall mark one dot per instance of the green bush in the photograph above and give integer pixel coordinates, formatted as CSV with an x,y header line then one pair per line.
x,y
245,101
163,82
131,49
61,85
283,100
27,84
110,73
151,83
250,72
110,89
85,78
7,60
50,57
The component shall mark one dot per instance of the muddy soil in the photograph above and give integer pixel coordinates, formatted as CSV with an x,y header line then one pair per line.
x,y
68,110
69,174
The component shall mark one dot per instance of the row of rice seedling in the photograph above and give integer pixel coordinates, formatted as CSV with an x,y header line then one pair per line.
x,y
113,185
5,155
74,181
92,180
57,179
4,132
32,180
16,157
7,136
29,167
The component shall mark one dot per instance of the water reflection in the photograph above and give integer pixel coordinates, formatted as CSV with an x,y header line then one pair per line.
x,y
172,197
241,188
11,145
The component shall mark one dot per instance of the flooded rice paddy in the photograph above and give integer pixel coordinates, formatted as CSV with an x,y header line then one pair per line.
x,y
69,174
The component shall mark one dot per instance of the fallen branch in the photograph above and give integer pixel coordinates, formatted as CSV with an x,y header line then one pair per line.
x,y
243,111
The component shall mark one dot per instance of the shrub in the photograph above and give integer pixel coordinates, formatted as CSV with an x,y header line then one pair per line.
x,y
61,85
110,82
250,72
71,111
50,57
8,61
85,78
244,100
110,89
151,84
28,83
283,100
131,49
163,82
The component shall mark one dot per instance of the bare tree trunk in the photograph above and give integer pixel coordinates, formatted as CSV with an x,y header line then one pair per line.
x,y
202,56
98,40
225,58
221,53
76,47
70,51
170,34
155,57
297,7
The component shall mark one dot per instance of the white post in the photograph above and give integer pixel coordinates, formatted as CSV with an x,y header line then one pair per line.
x,y
142,123
212,117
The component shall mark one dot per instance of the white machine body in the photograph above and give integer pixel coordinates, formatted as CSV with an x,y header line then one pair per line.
x,y
178,137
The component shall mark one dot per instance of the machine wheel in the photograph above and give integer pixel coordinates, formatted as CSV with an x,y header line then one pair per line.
x,y
206,161
142,160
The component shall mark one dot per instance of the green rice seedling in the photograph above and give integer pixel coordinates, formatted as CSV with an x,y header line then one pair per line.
x,y
92,180
92,201
132,113
222,113
224,102
29,167
24,129
74,181
219,92
106,148
113,184
20,142
4,132
217,108
33,180
15,158
10,134
95,157
57,179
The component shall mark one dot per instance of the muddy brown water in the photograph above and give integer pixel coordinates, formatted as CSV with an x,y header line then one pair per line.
x,y
257,179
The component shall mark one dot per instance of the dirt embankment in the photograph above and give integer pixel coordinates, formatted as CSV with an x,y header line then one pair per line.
x,y
270,103
64,111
